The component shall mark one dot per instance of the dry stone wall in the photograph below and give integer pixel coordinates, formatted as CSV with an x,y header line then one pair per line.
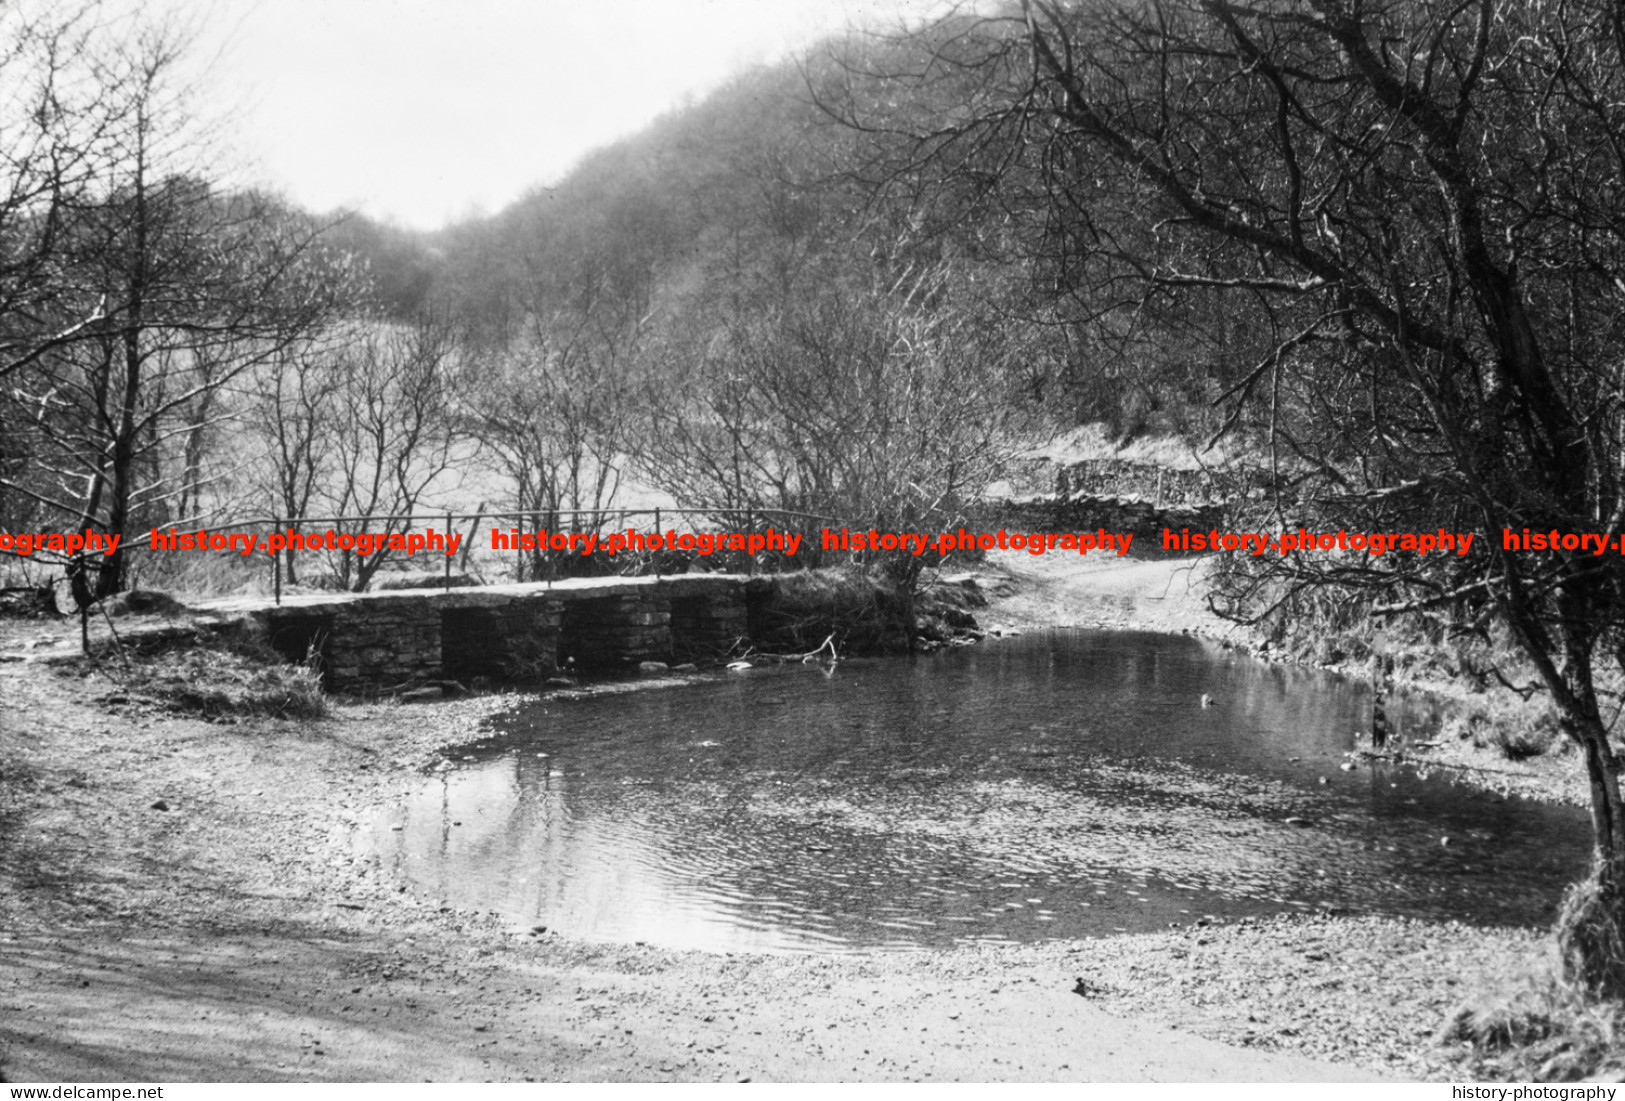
x,y
385,643
1159,485
1083,512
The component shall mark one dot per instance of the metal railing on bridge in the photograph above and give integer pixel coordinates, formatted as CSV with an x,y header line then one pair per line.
x,y
578,523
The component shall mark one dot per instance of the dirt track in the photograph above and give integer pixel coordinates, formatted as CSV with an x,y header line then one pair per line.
x,y
1102,589
235,936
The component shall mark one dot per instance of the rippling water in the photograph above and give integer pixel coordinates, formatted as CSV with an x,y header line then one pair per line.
x,y
1056,785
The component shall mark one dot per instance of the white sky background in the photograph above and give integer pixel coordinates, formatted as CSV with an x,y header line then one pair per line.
x,y
427,111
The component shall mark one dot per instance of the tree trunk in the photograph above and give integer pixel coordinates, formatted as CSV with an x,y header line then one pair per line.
x,y
1591,924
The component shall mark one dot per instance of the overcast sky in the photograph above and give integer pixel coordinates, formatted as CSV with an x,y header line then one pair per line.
x,y
424,111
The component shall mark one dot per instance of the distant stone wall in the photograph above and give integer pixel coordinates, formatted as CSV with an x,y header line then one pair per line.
x,y
1121,480
1084,512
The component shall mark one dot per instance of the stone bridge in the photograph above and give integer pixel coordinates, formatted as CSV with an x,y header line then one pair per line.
x,y
518,632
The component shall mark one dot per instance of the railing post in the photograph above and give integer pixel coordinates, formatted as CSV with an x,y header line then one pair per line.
x,y
276,561
473,531
662,537
750,527
447,586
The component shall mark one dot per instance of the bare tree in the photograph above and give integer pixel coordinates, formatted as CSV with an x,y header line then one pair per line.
x,y
556,424
59,117
392,436
559,378
295,404
180,287
54,125
888,406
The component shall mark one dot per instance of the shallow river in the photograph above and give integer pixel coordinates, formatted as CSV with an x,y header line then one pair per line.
x,y
1061,784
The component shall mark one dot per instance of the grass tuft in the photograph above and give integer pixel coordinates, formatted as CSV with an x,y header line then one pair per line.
x,y
219,671
1590,940
1544,1030
1519,729
216,684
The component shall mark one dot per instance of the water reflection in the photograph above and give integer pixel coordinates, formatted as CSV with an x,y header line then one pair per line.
x,y
1058,785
